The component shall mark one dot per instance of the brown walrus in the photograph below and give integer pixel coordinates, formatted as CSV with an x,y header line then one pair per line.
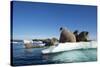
x,y
66,36
82,36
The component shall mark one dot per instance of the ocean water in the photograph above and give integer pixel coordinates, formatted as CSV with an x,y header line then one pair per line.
x,y
33,56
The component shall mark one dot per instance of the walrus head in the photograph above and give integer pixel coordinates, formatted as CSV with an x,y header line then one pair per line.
x,y
76,32
63,29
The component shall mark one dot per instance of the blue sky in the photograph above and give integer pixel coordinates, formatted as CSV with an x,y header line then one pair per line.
x,y
42,20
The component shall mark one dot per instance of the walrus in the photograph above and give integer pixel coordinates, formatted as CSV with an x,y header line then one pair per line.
x,y
66,36
48,42
83,36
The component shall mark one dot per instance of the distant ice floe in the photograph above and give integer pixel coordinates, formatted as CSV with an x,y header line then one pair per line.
x,y
14,42
27,41
30,43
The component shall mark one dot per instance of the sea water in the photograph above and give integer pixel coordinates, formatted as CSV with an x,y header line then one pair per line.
x,y
33,56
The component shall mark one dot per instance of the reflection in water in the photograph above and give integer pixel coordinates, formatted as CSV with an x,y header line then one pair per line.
x,y
28,50
45,57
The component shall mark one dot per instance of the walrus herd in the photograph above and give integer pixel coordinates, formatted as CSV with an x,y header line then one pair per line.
x,y
65,36
68,36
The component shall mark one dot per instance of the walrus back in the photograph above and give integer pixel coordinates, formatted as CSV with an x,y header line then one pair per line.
x,y
67,36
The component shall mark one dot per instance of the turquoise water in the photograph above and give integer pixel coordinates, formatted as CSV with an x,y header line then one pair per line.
x,y
33,56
